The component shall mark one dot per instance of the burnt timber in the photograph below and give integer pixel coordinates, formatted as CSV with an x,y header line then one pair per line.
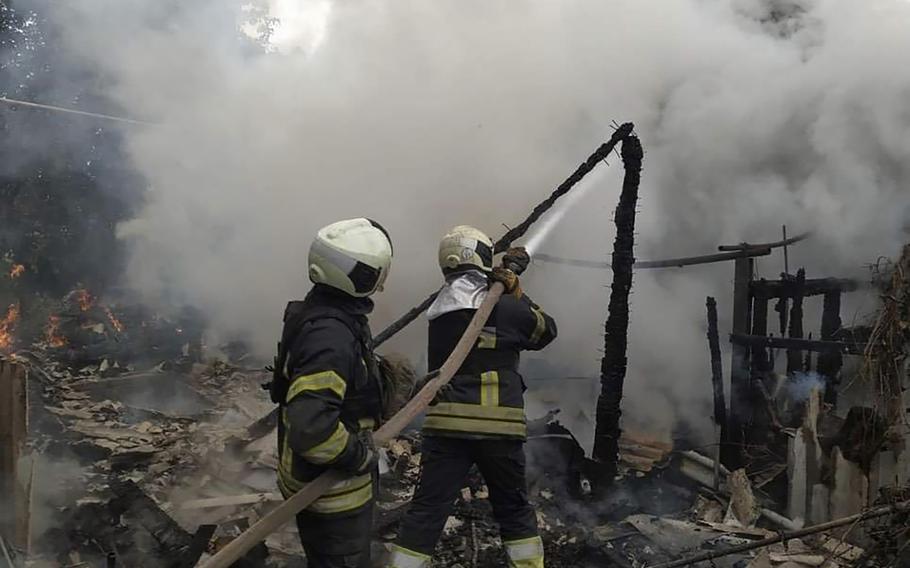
x,y
613,364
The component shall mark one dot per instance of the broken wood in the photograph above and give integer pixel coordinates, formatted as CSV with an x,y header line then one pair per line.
x,y
616,329
285,512
519,230
783,536
776,244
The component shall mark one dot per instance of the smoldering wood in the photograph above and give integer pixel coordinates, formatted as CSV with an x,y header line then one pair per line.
x,y
717,378
830,363
814,345
794,355
740,375
775,244
790,535
666,263
518,231
198,546
613,364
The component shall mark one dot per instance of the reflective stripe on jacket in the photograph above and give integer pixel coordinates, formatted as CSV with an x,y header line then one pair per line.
x,y
486,396
331,395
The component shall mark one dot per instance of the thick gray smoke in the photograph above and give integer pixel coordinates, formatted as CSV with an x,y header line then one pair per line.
x,y
753,113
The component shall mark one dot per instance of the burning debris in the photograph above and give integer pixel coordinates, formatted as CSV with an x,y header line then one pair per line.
x,y
7,327
16,271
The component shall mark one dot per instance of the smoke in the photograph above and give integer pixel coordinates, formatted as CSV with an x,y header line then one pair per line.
x,y
423,115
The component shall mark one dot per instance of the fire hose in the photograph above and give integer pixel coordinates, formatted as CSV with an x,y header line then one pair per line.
x,y
286,512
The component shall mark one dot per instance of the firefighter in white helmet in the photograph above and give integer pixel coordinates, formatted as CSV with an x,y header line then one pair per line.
x,y
327,384
479,419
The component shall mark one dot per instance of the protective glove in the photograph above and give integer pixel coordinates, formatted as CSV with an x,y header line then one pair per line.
x,y
516,259
508,278
370,455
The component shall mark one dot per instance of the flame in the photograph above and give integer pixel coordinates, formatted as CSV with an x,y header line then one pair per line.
x,y
52,332
85,299
16,271
7,324
117,324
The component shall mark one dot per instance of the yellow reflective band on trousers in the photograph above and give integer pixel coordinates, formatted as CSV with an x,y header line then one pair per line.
x,y
476,419
330,448
489,388
540,327
344,496
326,380
525,553
405,558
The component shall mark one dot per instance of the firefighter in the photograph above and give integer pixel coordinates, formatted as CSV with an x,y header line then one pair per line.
x,y
328,387
478,419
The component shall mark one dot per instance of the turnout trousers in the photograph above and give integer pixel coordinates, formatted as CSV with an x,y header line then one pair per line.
x,y
337,541
445,464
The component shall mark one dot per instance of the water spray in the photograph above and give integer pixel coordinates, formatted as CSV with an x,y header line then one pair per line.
x,y
558,213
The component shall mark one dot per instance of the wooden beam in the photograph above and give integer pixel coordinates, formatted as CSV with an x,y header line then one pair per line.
x,y
814,345
811,287
665,263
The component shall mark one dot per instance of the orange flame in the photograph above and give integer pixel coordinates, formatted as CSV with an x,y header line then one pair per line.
x,y
7,324
85,299
16,271
52,332
117,324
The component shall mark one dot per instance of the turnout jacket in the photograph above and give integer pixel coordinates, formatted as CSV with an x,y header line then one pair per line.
x,y
485,398
330,391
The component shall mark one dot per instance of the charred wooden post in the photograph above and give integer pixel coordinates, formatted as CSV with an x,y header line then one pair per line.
x,y
613,364
829,364
740,375
717,382
782,307
15,520
761,362
795,356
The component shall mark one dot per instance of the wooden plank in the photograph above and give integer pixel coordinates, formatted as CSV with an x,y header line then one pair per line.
x,y
814,345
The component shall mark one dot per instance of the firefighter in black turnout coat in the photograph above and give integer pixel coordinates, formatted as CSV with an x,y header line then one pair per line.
x,y
478,419
329,391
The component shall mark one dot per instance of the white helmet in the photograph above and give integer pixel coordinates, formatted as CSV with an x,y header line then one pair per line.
x,y
465,247
353,255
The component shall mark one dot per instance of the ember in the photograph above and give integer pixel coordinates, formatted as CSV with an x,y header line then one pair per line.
x,y
16,271
7,324
116,323
52,332
85,299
